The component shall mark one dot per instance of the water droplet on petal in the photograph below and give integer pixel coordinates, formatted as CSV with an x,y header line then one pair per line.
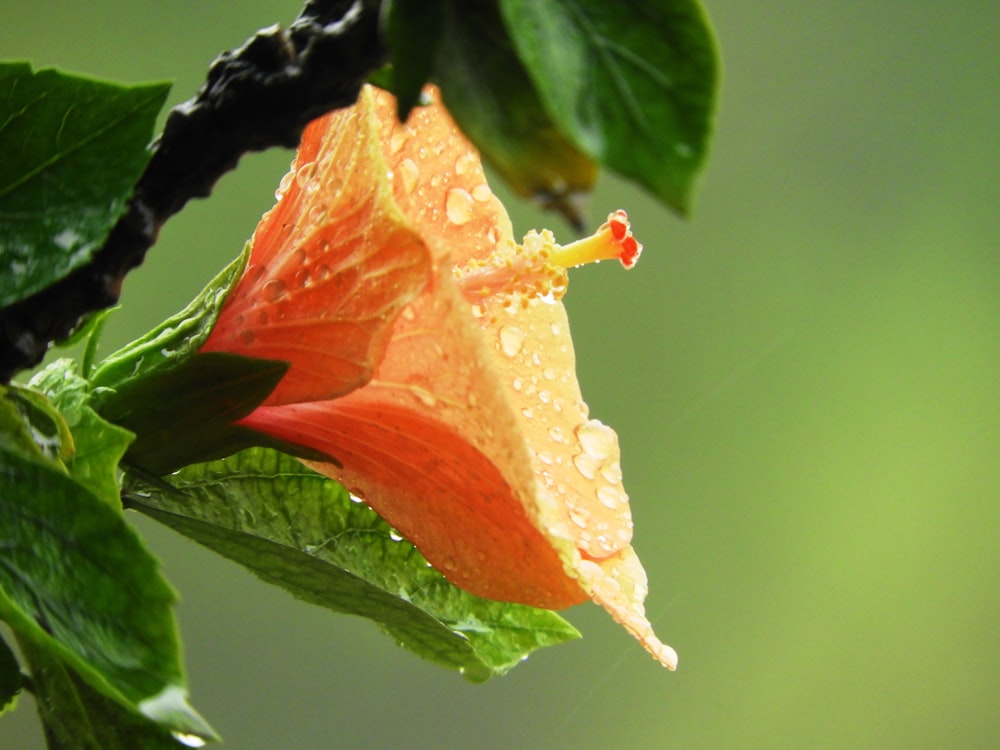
x,y
556,434
610,497
612,472
305,174
586,465
493,235
408,173
395,537
458,205
286,182
598,440
465,163
579,517
482,193
274,290
511,340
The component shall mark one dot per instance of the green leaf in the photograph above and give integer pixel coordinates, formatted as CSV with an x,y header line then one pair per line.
x,y
77,717
31,427
77,583
73,149
301,531
492,98
413,28
98,445
11,679
633,83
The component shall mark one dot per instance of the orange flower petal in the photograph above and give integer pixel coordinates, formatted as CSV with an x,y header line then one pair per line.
x,y
471,436
321,292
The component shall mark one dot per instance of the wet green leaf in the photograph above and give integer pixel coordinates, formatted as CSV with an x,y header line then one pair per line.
x,y
413,28
11,680
76,582
73,149
301,531
492,98
77,717
633,83
97,445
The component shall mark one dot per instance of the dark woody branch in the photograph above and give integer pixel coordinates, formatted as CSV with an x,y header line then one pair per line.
x,y
257,96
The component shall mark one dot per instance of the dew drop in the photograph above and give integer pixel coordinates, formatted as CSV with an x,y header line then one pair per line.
x,y
511,340
408,173
549,373
586,465
458,205
408,313
323,272
612,472
426,397
528,413
274,290
246,337
395,537
610,497
465,163
286,182
188,740
556,435
598,440
482,193
493,235
305,174
578,517
397,139
518,384
449,563
556,329
546,458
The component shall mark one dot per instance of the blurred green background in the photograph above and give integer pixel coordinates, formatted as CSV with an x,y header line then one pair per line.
x,y
805,379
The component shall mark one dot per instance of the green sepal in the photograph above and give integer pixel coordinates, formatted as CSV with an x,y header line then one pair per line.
x,y
185,414
175,339
302,531
181,403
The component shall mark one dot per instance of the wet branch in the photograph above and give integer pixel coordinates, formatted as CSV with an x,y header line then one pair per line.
x,y
257,96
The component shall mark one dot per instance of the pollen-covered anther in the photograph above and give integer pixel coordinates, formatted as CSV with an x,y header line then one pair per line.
x,y
512,271
613,239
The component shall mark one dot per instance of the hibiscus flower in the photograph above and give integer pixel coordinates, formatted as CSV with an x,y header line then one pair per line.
x,y
431,356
